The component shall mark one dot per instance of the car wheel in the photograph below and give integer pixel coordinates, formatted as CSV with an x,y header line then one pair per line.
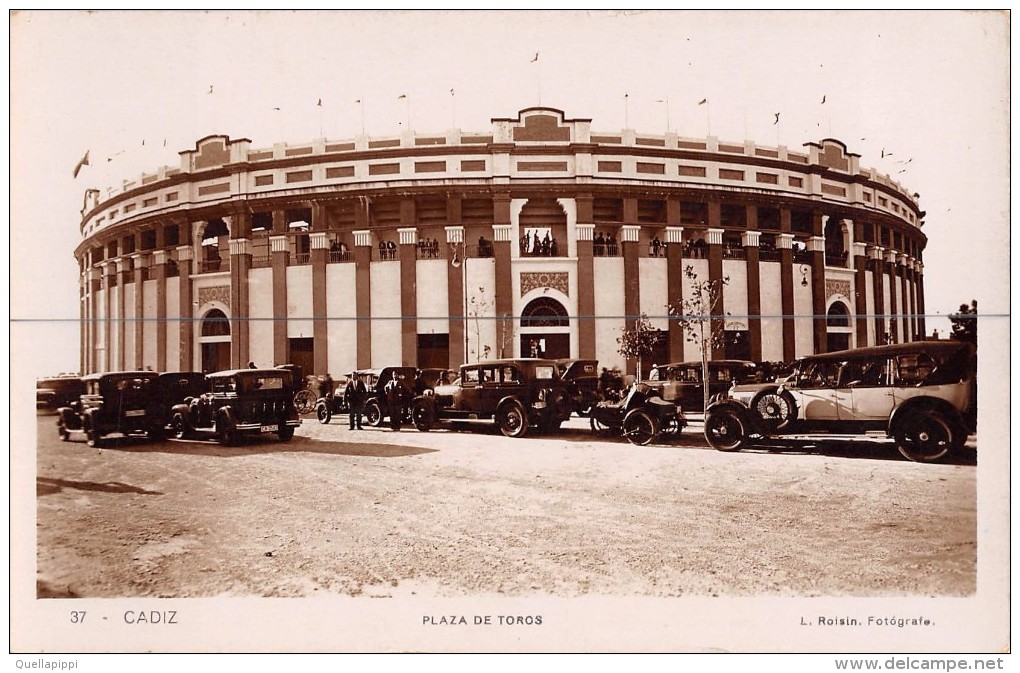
x,y
286,433
179,426
725,430
774,410
924,437
65,434
421,416
512,420
304,401
639,427
323,413
373,414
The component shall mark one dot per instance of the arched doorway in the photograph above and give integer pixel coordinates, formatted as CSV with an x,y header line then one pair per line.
x,y
215,341
837,327
545,329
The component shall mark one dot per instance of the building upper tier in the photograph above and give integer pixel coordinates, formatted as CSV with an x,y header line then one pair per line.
x,y
539,146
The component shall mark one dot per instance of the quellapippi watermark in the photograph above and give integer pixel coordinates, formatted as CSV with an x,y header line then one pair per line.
x,y
48,664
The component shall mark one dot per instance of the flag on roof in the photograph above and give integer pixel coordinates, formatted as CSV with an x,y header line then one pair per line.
x,y
84,161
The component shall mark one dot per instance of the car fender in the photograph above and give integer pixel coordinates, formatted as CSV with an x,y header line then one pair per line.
x,y
904,410
69,417
736,406
513,399
226,413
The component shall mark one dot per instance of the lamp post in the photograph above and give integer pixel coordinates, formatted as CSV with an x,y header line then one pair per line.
x,y
459,260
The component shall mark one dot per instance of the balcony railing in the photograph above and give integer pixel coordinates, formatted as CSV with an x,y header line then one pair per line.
x,y
337,256
603,249
768,255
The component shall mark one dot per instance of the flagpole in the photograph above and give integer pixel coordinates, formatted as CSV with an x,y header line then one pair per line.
x,y
361,104
321,134
453,109
626,110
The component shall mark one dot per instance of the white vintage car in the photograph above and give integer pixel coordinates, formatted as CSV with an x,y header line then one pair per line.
x,y
922,394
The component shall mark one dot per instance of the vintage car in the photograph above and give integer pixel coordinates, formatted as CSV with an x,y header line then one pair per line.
x,y
57,391
641,416
125,403
515,393
375,407
919,393
582,379
681,382
240,402
173,388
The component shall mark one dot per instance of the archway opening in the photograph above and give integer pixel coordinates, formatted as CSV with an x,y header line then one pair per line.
x,y
837,323
545,329
215,341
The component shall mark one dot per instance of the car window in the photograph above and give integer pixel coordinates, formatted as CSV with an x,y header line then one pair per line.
x,y
723,375
510,375
824,374
912,369
268,383
544,372
470,377
488,374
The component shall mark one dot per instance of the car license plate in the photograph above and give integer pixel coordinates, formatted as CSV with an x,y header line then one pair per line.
x,y
135,412
270,428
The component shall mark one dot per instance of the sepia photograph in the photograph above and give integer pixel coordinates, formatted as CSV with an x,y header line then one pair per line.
x,y
518,331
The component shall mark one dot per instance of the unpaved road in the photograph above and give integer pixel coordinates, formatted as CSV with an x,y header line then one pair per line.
x,y
377,513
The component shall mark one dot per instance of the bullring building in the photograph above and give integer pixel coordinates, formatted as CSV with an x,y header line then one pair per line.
x,y
538,236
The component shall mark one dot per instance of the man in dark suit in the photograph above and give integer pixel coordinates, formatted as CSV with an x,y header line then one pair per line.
x,y
355,393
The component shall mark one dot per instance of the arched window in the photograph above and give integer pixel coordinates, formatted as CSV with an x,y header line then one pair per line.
x,y
838,316
544,312
215,324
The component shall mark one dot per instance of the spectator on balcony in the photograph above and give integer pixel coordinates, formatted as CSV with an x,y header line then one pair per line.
x,y
382,249
655,247
610,245
600,245
526,242
391,248
553,249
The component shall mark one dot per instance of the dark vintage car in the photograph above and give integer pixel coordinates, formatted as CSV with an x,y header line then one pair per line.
x,y
642,415
582,379
920,393
516,394
375,406
57,391
175,388
681,382
125,403
241,402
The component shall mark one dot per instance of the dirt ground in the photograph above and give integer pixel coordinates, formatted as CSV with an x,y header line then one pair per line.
x,y
377,513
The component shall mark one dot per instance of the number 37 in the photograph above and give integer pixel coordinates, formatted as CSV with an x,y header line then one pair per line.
x,y
77,616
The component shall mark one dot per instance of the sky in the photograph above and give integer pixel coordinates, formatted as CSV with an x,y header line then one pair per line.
x,y
135,88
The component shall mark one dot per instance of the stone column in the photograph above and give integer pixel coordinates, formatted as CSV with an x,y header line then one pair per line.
x,y
363,295
279,258
455,296
140,261
749,239
159,262
919,289
502,235
629,236
408,237
123,275
819,322
674,238
860,265
905,308
877,253
785,244
240,263
319,244
890,270
714,238
186,326
110,276
585,283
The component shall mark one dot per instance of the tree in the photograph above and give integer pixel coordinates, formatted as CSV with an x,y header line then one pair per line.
x,y
695,314
638,341
478,306
505,332
965,323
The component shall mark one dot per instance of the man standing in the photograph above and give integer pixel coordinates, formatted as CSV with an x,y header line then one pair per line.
x,y
355,400
394,401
